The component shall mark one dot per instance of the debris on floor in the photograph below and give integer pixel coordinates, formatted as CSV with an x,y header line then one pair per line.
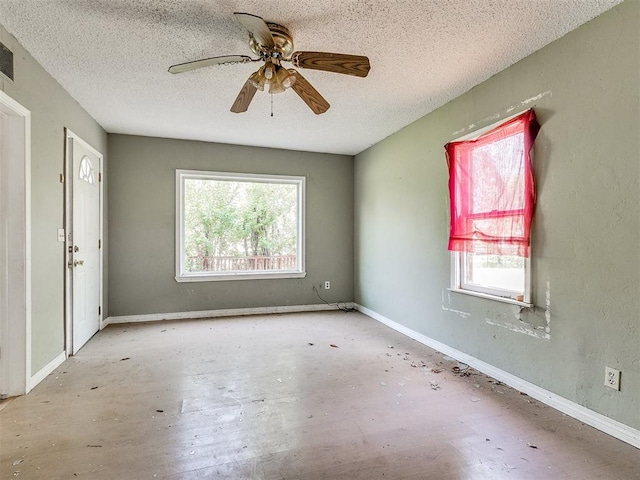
x,y
94,446
334,346
531,445
125,358
461,369
383,384
436,370
310,344
93,388
475,399
160,411
389,346
18,462
434,385
279,380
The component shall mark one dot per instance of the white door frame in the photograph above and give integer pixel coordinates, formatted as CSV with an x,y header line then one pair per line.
x,y
15,313
70,138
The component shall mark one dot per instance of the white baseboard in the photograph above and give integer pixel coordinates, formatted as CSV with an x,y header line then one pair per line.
x,y
232,312
605,424
46,370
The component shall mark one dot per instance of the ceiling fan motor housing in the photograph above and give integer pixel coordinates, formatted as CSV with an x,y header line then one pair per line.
x,y
281,37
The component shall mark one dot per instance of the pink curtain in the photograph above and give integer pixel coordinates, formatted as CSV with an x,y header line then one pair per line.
x,y
492,190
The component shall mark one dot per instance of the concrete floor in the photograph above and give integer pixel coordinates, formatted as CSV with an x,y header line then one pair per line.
x,y
271,397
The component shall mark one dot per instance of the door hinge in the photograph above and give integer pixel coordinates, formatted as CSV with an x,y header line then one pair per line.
x,y
100,176
61,178
99,244
99,310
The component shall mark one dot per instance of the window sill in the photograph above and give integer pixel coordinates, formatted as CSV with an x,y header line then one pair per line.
x,y
239,276
491,297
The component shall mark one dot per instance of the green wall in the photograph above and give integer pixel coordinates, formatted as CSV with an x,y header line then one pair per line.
x,y
52,109
142,226
585,89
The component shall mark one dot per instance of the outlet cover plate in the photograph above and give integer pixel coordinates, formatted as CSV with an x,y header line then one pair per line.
x,y
327,285
612,378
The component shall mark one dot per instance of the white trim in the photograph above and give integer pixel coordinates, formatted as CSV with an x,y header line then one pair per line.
x,y
46,370
68,226
488,296
16,325
231,312
27,236
216,277
605,424
298,181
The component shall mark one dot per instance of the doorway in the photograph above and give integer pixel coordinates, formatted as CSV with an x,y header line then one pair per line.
x,y
15,247
83,242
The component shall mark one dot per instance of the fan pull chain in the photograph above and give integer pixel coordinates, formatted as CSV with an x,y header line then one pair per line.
x,y
272,104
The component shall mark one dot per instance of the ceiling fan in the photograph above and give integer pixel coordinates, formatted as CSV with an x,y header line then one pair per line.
x,y
274,45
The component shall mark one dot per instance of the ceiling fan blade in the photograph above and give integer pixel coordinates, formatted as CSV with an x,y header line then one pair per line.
x,y
257,27
308,94
332,62
208,62
244,98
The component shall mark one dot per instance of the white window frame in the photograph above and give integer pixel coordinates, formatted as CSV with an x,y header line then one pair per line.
x,y
458,262
459,259
183,276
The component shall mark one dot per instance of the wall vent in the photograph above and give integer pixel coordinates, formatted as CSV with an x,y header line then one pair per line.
x,y
6,61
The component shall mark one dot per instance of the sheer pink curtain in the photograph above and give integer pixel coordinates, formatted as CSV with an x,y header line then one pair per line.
x,y
492,189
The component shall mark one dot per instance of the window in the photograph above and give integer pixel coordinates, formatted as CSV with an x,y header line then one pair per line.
x,y
232,226
492,198
86,170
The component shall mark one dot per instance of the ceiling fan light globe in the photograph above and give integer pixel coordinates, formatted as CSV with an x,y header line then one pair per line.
x,y
268,72
276,87
283,77
289,81
258,79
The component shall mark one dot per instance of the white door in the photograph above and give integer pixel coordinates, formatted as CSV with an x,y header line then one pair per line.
x,y
85,237
4,271
15,247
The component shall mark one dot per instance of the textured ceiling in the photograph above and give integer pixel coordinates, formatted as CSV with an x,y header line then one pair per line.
x,y
112,56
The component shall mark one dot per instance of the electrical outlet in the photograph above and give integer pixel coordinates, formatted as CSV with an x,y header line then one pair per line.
x,y
327,285
612,378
